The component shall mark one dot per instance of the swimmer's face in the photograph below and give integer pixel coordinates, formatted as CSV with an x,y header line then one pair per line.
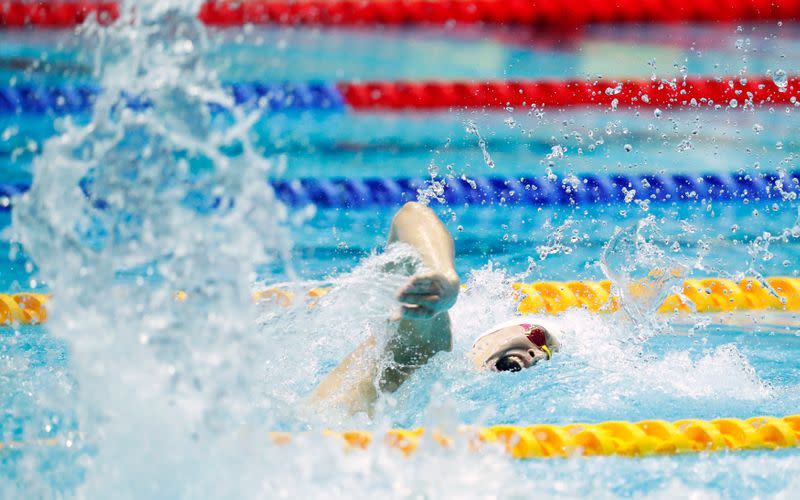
x,y
509,349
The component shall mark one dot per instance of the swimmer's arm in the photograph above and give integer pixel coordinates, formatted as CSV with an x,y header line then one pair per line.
x,y
353,386
436,289
423,329
424,326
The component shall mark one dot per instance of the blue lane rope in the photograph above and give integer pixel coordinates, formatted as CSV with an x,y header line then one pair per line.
x,y
587,189
79,98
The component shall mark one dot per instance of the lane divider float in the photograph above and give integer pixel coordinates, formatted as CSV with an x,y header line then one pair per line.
x,y
692,92
23,308
543,13
703,295
538,441
75,98
648,437
587,189
543,190
684,93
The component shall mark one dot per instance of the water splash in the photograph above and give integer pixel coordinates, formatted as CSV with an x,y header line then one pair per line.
x,y
472,129
555,240
644,267
123,213
760,253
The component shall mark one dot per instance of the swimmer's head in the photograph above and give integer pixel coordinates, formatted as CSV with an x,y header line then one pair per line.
x,y
514,347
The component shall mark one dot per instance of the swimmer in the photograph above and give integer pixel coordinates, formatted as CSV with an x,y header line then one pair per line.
x,y
424,328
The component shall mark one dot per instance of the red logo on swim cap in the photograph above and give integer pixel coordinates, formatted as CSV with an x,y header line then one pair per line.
x,y
536,334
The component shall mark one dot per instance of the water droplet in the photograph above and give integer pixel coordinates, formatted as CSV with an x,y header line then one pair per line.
x,y
780,79
758,128
9,132
734,103
779,145
628,148
630,194
657,113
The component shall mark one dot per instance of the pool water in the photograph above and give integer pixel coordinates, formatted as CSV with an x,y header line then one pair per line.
x,y
151,398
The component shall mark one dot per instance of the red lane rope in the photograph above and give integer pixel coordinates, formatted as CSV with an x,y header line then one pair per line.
x,y
691,92
54,14
551,13
529,12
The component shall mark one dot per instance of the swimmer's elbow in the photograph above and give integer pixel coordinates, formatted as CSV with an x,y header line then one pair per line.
x,y
412,209
412,215
409,216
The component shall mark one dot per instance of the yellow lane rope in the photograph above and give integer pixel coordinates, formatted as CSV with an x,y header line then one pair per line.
x,y
551,297
649,437
23,308
629,439
54,441
704,295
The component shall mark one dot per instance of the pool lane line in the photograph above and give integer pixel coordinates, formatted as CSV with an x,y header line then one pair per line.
x,y
727,92
697,295
573,190
541,13
539,441
76,98
702,295
625,93
639,439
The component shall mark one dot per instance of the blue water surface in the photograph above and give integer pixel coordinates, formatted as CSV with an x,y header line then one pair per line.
x,y
714,370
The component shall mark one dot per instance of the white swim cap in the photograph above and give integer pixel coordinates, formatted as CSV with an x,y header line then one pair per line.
x,y
548,324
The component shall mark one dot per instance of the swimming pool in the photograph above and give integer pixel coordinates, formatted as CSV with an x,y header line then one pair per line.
x,y
149,397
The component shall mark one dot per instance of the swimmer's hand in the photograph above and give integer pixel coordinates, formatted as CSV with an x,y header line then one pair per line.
x,y
428,294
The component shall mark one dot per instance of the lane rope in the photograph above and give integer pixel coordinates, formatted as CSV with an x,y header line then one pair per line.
x,y
648,437
520,191
538,441
698,295
78,98
23,308
543,13
704,295
539,191
691,92
701,295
